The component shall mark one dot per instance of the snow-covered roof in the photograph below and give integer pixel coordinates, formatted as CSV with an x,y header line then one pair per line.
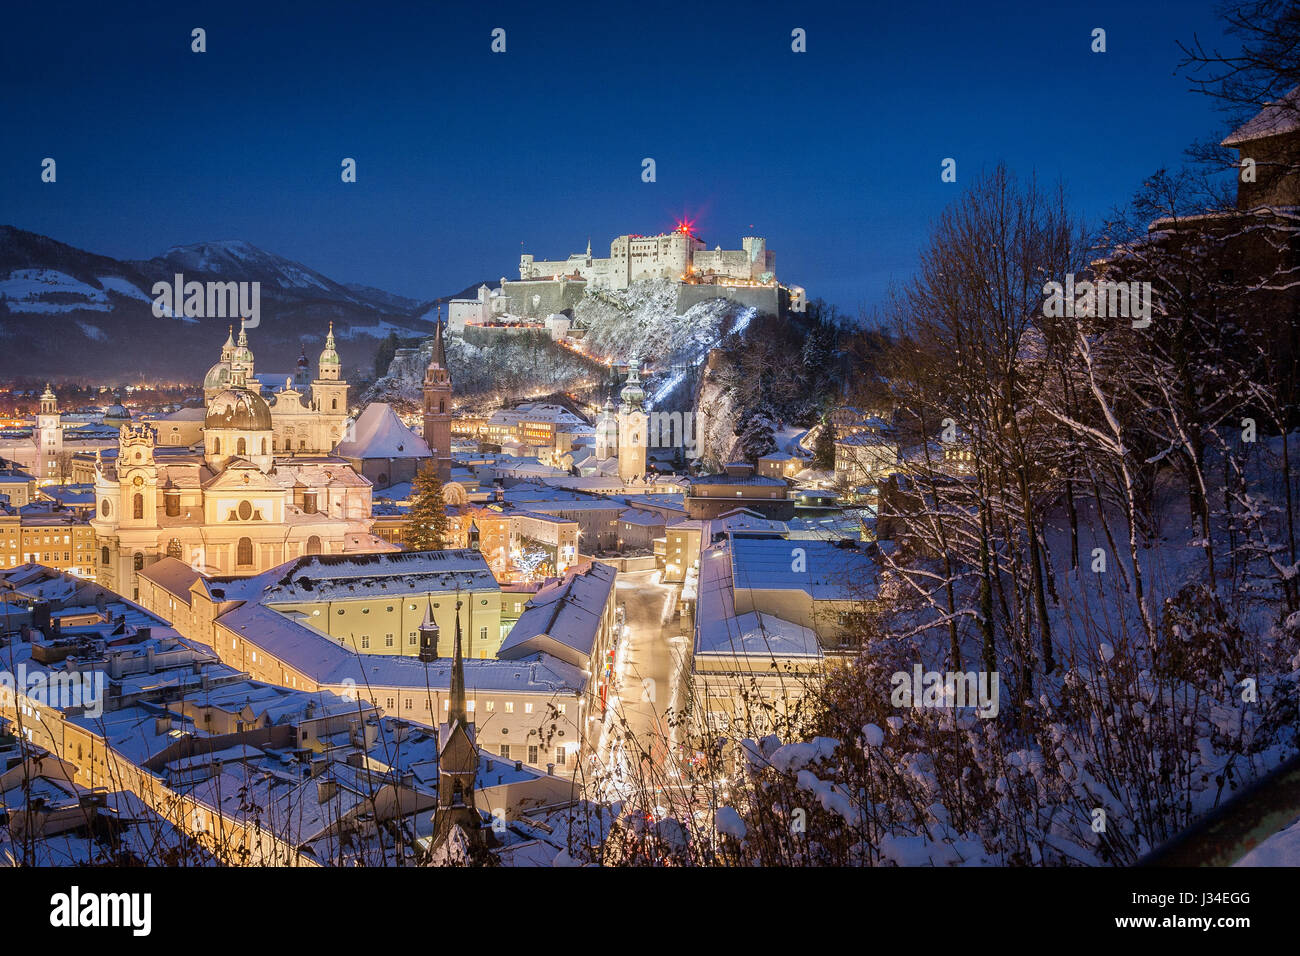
x,y
379,433
1280,116
828,572
564,616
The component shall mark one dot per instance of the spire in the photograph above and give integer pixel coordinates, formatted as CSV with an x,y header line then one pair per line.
x,y
329,339
428,636
589,247
439,348
243,335
230,336
456,707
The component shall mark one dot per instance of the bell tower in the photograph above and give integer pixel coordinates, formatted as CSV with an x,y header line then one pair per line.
x,y
437,407
632,427
458,771
49,437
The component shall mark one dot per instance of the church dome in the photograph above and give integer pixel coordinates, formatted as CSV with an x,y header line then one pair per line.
x,y
117,412
240,409
218,376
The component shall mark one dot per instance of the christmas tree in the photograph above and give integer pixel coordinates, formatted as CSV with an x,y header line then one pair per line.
x,y
426,528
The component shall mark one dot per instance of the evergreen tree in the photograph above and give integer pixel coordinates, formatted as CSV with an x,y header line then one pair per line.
x,y
824,447
757,433
426,529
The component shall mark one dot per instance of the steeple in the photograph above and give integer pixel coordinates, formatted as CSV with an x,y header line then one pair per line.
x,y
437,406
439,358
429,636
456,708
329,359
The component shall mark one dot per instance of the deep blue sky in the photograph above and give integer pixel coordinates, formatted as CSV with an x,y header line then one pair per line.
x,y
463,155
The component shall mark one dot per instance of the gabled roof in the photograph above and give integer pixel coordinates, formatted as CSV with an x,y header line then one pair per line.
x,y
379,433
1280,116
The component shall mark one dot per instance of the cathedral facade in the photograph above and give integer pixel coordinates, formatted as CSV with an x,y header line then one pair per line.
x,y
308,416
262,491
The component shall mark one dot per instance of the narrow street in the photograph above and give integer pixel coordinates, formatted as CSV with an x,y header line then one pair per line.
x,y
652,668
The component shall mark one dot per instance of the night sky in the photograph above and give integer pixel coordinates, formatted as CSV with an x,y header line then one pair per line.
x,y
466,158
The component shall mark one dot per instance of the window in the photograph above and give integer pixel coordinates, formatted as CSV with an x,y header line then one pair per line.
x,y
491,705
174,548
137,506
482,633
528,708
138,561
313,545
510,707
559,756
103,555
388,640
309,502
216,446
263,446
532,753
562,708
505,751
245,510
411,640
244,552
408,703
241,447
388,703
365,641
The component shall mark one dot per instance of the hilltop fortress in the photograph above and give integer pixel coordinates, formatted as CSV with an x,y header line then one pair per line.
x,y
673,255
549,286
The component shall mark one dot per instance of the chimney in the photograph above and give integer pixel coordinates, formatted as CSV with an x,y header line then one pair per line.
x,y
325,790
550,769
318,766
519,765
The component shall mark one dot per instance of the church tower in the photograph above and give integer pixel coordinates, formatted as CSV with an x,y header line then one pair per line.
x,y
457,772
49,437
607,432
330,396
632,423
137,476
437,407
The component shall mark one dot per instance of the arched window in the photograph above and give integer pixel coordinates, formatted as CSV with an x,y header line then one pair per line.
x,y
103,555
263,446
137,505
244,552
442,406
138,561
241,447
313,545
216,446
334,403
174,548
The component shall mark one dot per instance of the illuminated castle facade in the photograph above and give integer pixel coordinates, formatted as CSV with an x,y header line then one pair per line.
x,y
674,255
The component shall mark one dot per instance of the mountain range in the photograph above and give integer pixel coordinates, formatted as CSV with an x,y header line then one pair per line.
x,y
70,314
